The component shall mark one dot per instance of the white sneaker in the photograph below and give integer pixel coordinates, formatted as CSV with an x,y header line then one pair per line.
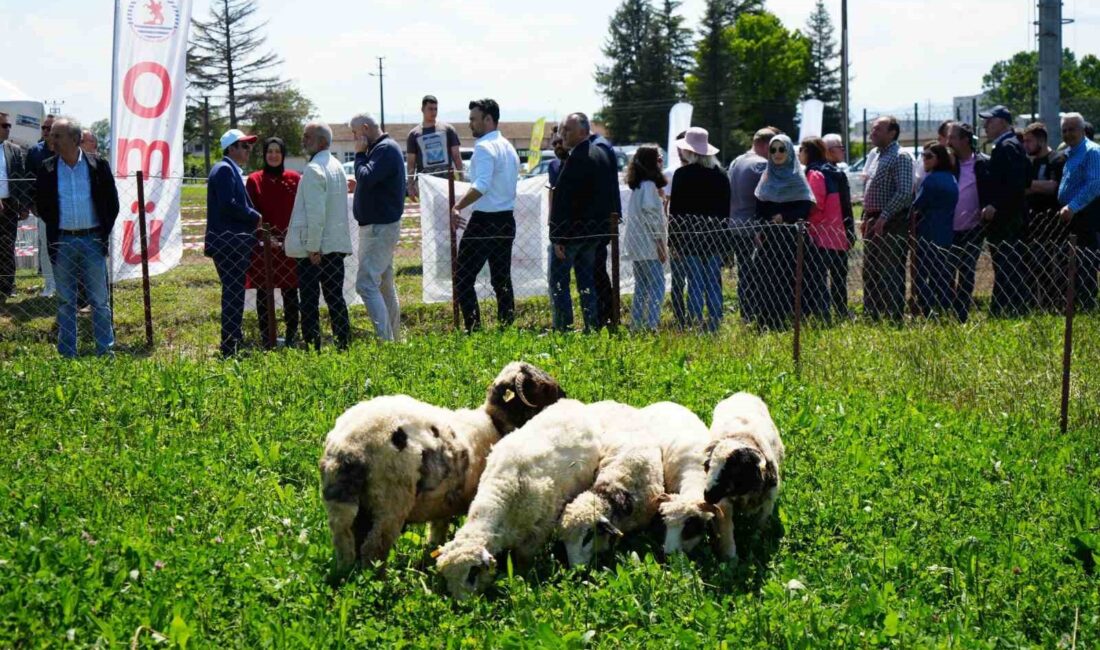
x,y
48,292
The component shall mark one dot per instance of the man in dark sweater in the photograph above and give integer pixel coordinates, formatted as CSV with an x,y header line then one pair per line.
x,y
578,222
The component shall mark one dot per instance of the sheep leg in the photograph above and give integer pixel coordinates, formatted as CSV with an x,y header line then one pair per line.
x,y
727,545
437,532
341,517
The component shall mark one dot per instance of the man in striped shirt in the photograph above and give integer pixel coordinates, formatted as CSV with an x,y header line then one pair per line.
x,y
1079,193
886,200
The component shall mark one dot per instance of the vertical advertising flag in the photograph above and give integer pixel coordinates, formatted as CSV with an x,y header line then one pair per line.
x,y
148,101
534,149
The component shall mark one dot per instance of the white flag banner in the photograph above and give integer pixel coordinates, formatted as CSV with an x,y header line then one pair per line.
x,y
148,98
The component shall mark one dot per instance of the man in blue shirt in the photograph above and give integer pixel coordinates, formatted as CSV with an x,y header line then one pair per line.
x,y
231,222
377,206
76,198
1079,193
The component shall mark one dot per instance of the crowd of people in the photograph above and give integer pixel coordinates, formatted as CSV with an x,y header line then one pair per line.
x,y
1023,200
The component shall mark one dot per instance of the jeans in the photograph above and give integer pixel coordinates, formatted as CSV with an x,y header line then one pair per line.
x,y
744,253
1088,264
488,238
679,268
965,250
328,278
290,315
374,282
1011,295
705,285
232,259
582,256
932,282
649,293
81,258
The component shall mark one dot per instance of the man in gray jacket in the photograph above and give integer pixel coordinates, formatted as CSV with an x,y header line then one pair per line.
x,y
744,175
318,236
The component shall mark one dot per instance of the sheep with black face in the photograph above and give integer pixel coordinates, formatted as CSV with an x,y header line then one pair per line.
x,y
742,465
395,460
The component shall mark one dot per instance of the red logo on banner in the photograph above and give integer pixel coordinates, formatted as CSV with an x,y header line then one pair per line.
x,y
153,20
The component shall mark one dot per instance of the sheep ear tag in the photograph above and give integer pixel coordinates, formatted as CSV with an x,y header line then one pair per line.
x,y
509,395
437,552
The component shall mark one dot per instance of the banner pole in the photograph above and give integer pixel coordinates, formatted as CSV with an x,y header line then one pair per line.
x,y
144,261
454,245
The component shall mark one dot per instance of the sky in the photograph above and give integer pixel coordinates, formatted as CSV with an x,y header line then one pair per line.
x,y
535,59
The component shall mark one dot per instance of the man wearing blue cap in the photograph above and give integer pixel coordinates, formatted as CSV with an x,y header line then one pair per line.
x,y
231,222
1003,214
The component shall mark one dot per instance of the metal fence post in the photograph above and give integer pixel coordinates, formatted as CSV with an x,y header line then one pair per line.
x,y
914,307
454,244
269,286
1067,344
916,130
615,288
799,266
865,140
145,297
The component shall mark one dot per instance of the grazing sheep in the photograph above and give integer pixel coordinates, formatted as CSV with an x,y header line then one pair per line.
x,y
742,464
392,460
683,438
528,479
629,484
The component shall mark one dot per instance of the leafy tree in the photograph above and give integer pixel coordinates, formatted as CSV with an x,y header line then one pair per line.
x,y
824,82
224,56
101,129
283,113
1015,83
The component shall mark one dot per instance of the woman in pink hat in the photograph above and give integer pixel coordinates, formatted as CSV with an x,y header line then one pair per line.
x,y
698,215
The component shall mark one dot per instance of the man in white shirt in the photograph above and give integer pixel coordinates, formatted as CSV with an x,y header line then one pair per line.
x,y
13,206
488,236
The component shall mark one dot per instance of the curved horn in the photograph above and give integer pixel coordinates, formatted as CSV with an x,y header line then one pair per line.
x,y
608,528
486,557
519,392
711,508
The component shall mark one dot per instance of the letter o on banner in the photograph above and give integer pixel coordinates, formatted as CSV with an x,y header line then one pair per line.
x,y
132,75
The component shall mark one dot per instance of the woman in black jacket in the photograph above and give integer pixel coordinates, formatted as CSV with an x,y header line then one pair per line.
x,y
783,200
698,214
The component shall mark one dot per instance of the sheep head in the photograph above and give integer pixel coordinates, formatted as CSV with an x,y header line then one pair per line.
x,y
586,528
520,392
685,520
467,568
735,469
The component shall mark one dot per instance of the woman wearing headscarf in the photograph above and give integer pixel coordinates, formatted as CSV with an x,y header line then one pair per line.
x,y
272,191
783,199
698,215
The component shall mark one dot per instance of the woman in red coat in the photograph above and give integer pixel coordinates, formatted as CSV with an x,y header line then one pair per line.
x,y
272,191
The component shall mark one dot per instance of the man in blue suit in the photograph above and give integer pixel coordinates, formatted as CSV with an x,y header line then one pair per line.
x,y
231,222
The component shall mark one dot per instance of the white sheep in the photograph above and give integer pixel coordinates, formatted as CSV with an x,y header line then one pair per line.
x,y
529,478
395,460
628,488
742,465
683,437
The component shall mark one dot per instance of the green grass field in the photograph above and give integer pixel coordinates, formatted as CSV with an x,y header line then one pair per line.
x,y
928,498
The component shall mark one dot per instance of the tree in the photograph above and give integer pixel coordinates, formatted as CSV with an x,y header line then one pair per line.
x,y
675,46
824,82
283,113
1015,83
101,129
620,82
712,76
751,75
223,56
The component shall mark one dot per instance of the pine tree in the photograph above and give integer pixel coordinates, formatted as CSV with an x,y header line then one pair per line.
x,y
621,82
676,46
223,56
824,66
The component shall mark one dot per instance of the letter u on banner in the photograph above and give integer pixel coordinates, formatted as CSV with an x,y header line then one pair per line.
x,y
148,102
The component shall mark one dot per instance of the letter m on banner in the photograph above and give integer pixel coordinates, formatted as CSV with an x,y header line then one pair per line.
x,y
148,101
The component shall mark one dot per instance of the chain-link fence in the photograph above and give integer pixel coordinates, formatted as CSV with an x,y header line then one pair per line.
x,y
211,291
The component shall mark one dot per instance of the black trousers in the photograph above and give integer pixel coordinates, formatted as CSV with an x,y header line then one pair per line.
x,y
313,280
290,314
1011,286
9,227
488,238
884,272
963,268
603,286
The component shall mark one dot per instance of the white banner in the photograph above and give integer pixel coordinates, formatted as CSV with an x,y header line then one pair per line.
x,y
148,96
679,120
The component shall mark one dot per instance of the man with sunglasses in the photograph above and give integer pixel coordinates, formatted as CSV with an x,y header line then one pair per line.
x,y
231,222
13,205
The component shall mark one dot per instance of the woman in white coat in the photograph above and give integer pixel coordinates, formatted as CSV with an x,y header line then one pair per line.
x,y
646,242
319,238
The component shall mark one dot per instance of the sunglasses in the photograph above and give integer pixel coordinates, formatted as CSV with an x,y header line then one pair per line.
x,y
926,156
778,150
46,128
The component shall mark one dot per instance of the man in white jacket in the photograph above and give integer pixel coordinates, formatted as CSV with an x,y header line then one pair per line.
x,y
319,237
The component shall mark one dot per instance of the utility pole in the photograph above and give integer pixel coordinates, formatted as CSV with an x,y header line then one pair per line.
x,y
1050,66
846,132
381,94
206,132
55,106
